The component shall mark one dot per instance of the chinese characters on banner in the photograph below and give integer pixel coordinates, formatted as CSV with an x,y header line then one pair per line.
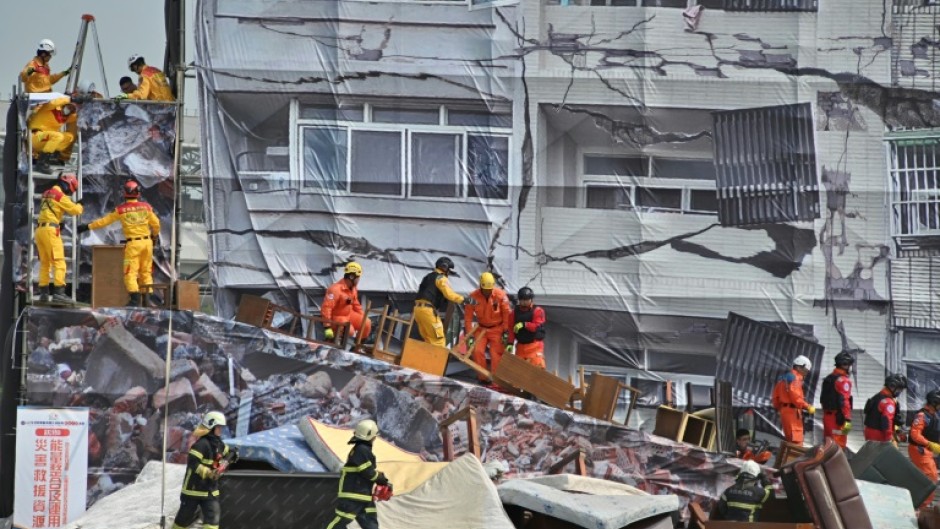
x,y
51,466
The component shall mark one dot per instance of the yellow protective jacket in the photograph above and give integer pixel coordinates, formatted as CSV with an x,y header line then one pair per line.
x,y
152,86
41,80
137,219
55,203
48,116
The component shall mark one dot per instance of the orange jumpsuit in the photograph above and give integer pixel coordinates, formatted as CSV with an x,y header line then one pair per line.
x,y
55,203
879,417
494,315
152,86
341,303
46,123
140,224
839,410
789,401
925,430
529,340
41,80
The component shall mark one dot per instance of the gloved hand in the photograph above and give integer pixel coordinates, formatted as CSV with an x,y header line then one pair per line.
x,y
934,447
811,409
66,71
505,337
120,97
469,300
510,348
381,480
214,474
518,327
329,334
846,427
82,228
234,451
471,341
30,71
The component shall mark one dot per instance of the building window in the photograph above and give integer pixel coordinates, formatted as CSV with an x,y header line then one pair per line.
x,y
650,184
915,198
760,5
432,152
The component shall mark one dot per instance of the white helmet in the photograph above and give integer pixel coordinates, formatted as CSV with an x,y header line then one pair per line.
x,y
85,87
46,45
750,467
366,430
213,419
132,59
803,362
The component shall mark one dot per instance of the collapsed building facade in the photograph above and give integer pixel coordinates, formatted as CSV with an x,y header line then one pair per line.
x,y
646,167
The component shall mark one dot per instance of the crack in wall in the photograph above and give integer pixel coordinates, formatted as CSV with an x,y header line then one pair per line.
x,y
636,134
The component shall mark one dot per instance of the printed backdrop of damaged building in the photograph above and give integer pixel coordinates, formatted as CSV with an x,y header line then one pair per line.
x,y
644,167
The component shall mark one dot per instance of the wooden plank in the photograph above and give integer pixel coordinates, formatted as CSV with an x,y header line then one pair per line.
x,y
517,373
187,295
424,357
385,356
466,358
107,272
600,399
254,310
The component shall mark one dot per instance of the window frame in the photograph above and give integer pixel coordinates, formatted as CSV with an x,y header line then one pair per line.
x,y
910,207
406,129
649,180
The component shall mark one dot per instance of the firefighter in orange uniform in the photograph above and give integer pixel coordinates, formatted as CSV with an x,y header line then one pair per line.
x,y
141,227
836,400
789,401
743,439
528,329
341,303
152,85
881,409
433,294
925,440
55,203
493,312
36,75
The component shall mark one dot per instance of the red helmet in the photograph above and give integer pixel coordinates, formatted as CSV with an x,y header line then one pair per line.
x,y
69,183
131,189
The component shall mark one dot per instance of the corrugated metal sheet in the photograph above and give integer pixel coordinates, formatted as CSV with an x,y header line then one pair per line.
x,y
754,355
915,291
766,165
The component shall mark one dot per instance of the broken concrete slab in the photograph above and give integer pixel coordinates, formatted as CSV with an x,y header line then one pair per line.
x,y
317,385
134,401
120,361
209,393
184,367
179,395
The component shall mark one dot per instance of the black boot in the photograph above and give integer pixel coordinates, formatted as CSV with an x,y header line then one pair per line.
x,y
135,300
58,294
44,294
40,166
53,159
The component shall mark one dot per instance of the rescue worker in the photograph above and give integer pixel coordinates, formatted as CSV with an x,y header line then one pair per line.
x,y
925,440
836,400
789,401
127,85
152,84
141,228
881,409
55,203
37,76
357,477
743,440
341,303
742,501
433,294
493,312
528,329
200,490
50,143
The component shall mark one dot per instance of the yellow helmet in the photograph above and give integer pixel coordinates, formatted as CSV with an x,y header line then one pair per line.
x,y
353,268
366,430
487,281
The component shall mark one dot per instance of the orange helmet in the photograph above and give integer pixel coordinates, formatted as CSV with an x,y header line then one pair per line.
x,y
69,183
131,189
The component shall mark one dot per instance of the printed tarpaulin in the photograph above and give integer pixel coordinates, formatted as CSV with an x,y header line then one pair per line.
x,y
115,359
283,448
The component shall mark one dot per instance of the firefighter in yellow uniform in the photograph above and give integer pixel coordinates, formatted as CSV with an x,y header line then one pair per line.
x,y
36,75
152,85
433,295
141,227
45,125
55,203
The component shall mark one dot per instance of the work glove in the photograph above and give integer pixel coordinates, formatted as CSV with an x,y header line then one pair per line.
x,y
381,480
329,334
846,427
518,327
470,342
469,300
510,348
120,97
82,228
505,337
934,447
234,451
30,71
811,409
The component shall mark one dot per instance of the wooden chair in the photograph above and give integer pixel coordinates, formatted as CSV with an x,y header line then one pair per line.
x,y
789,452
367,312
599,398
388,324
468,414
260,312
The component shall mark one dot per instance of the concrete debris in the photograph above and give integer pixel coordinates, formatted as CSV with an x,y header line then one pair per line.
x,y
134,401
120,361
184,367
179,395
210,394
317,385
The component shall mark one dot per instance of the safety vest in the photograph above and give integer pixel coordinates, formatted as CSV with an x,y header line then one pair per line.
x,y
931,426
873,415
525,335
429,292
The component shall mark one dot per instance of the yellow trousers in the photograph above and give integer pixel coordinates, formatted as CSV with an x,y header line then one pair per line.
x,y
429,325
51,255
138,264
48,142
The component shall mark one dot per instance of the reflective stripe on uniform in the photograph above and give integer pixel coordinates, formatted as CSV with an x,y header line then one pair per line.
x,y
354,496
360,468
201,458
371,510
